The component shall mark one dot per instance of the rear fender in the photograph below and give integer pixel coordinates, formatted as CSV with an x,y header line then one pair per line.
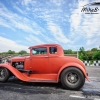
x,y
74,65
15,72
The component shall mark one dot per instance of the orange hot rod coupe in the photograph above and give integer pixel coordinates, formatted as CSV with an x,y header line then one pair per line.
x,y
46,63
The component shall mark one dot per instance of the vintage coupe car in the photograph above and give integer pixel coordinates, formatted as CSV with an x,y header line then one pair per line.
x,y
46,63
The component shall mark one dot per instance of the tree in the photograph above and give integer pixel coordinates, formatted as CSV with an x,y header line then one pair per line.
x,y
96,55
69,51
81,53
10,52
82,50
89,55
94,49
22,52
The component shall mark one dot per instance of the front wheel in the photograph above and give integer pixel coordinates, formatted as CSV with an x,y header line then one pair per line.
x,y
72,78
4,74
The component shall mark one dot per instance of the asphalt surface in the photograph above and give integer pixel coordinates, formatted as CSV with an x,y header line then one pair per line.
x,y
18,90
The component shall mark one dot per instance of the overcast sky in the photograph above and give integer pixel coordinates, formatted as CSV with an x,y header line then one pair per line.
x,y
24,23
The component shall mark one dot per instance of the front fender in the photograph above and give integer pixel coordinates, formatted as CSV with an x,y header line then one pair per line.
x,y
17,73
74,65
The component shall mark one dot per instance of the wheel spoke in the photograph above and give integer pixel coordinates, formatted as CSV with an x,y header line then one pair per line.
x,y
69,79
76,80
70,74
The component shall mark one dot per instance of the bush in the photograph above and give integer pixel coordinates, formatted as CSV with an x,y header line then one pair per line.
x,y
96,55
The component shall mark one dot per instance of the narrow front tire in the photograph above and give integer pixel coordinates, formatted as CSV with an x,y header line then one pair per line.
x,y
4,74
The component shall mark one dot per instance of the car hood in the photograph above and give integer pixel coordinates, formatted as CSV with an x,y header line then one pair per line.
x,y
19,58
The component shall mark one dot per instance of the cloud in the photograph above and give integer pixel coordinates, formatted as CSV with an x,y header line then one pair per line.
x,y
53,21
91,26
84,27
5,24
57,33
94,42
7,44
58,2
12,20
20,10
16,22
34,40
76,17
26,2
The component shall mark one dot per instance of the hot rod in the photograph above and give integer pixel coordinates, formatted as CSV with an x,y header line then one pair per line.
x,y
46,63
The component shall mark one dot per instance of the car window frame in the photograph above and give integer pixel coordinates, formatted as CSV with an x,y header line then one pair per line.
x,y
53,53
39,54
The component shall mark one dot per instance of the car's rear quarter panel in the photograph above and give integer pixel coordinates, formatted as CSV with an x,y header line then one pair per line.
x,y
56,63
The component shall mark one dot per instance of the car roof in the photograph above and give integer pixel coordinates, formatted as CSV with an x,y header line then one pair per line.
x,y
41,45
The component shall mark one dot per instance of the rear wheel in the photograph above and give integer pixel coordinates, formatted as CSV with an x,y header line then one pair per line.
x,y
72,78
4,74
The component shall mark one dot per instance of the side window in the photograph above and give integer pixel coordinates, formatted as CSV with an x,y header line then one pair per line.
x,y
39,51
53,50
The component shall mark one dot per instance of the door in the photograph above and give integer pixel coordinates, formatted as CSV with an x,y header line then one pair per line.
x,y
40,60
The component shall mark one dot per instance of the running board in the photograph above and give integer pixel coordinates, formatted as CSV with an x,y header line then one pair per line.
x,y
44,81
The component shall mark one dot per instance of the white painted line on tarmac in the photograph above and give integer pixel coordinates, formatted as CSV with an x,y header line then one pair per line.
x,y
92,77
76,96
96,99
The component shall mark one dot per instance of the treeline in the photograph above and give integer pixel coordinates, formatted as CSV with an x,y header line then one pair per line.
x,y
69,51
93,54
22,52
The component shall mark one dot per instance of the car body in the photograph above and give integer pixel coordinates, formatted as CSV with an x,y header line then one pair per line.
x,y
46,63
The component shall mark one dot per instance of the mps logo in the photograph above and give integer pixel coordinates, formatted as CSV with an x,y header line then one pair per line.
x,y
91,8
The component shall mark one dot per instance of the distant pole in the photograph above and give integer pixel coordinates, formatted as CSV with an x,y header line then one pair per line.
x,y
77,53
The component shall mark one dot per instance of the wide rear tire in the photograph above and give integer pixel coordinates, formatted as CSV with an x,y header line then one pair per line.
x,y
4,74
72,78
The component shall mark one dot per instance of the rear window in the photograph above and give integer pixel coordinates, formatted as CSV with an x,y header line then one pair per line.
x,y
53,50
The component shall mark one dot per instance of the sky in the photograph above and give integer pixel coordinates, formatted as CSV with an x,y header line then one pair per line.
x,y
24,23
